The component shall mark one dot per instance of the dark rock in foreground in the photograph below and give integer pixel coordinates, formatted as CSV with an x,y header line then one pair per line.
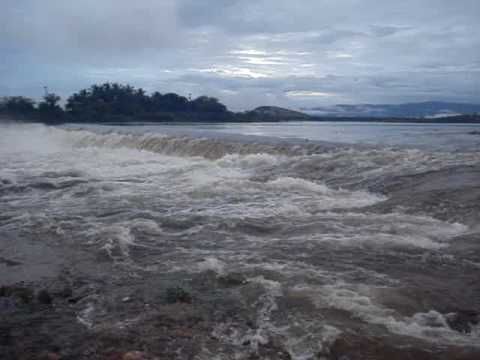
x,y
178,295
232,280
463,320
357,347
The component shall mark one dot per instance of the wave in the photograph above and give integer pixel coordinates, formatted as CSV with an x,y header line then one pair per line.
x,y
307,155
361,303
210,148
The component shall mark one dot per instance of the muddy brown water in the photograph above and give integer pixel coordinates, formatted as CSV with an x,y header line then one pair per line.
x,y
187,247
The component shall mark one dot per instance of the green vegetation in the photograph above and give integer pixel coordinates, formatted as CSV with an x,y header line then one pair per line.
x,y
18,105
49,110
112,102
117,103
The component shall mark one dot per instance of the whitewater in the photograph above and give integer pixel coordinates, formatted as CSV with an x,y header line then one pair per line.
x,y
289,246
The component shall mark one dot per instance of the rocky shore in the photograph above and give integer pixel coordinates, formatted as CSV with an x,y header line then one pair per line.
x,y
75,318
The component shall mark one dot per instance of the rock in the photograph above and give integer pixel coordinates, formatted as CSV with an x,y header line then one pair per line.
x,y
184,333
270,351
7,305
474,132
74,300
114,356
43,297
52,356
463,320
9,262
178,295
361,348
134,355
130,355
64,293
6,338
357,347
24,294
232,280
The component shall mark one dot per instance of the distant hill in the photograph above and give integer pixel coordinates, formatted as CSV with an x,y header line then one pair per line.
x,y
269,113
432,109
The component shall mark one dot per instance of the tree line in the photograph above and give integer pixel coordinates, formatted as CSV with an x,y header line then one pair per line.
x,y
115,102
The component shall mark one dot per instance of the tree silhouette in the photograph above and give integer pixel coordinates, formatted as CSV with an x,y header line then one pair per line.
x,y
17,105
208,104
116,101
48,109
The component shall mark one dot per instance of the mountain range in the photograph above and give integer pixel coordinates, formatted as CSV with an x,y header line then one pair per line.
x,y
431,109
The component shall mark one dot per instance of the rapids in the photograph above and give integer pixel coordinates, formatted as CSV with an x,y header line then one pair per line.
x,y
329,240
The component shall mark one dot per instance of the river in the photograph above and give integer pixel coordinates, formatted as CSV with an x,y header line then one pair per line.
x,y
230,241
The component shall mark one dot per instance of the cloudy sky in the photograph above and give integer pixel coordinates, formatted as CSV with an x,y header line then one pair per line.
x,y
298,53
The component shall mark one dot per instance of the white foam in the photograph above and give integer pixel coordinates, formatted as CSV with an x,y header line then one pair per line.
x,y
116,239
297,184
251,160
86,317
360,301
394,229
212,264
302,338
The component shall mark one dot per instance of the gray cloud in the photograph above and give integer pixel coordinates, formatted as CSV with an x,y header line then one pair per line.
x,y
247,52
90,25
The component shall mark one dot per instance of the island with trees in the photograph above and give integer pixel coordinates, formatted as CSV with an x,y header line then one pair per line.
x,y
112,102
118,103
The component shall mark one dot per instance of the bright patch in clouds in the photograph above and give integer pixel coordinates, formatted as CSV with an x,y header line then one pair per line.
x,y
305,93
234,72
339,55
263,60
251,52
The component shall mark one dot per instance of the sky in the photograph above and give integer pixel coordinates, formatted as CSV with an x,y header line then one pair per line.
x,y
247,53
